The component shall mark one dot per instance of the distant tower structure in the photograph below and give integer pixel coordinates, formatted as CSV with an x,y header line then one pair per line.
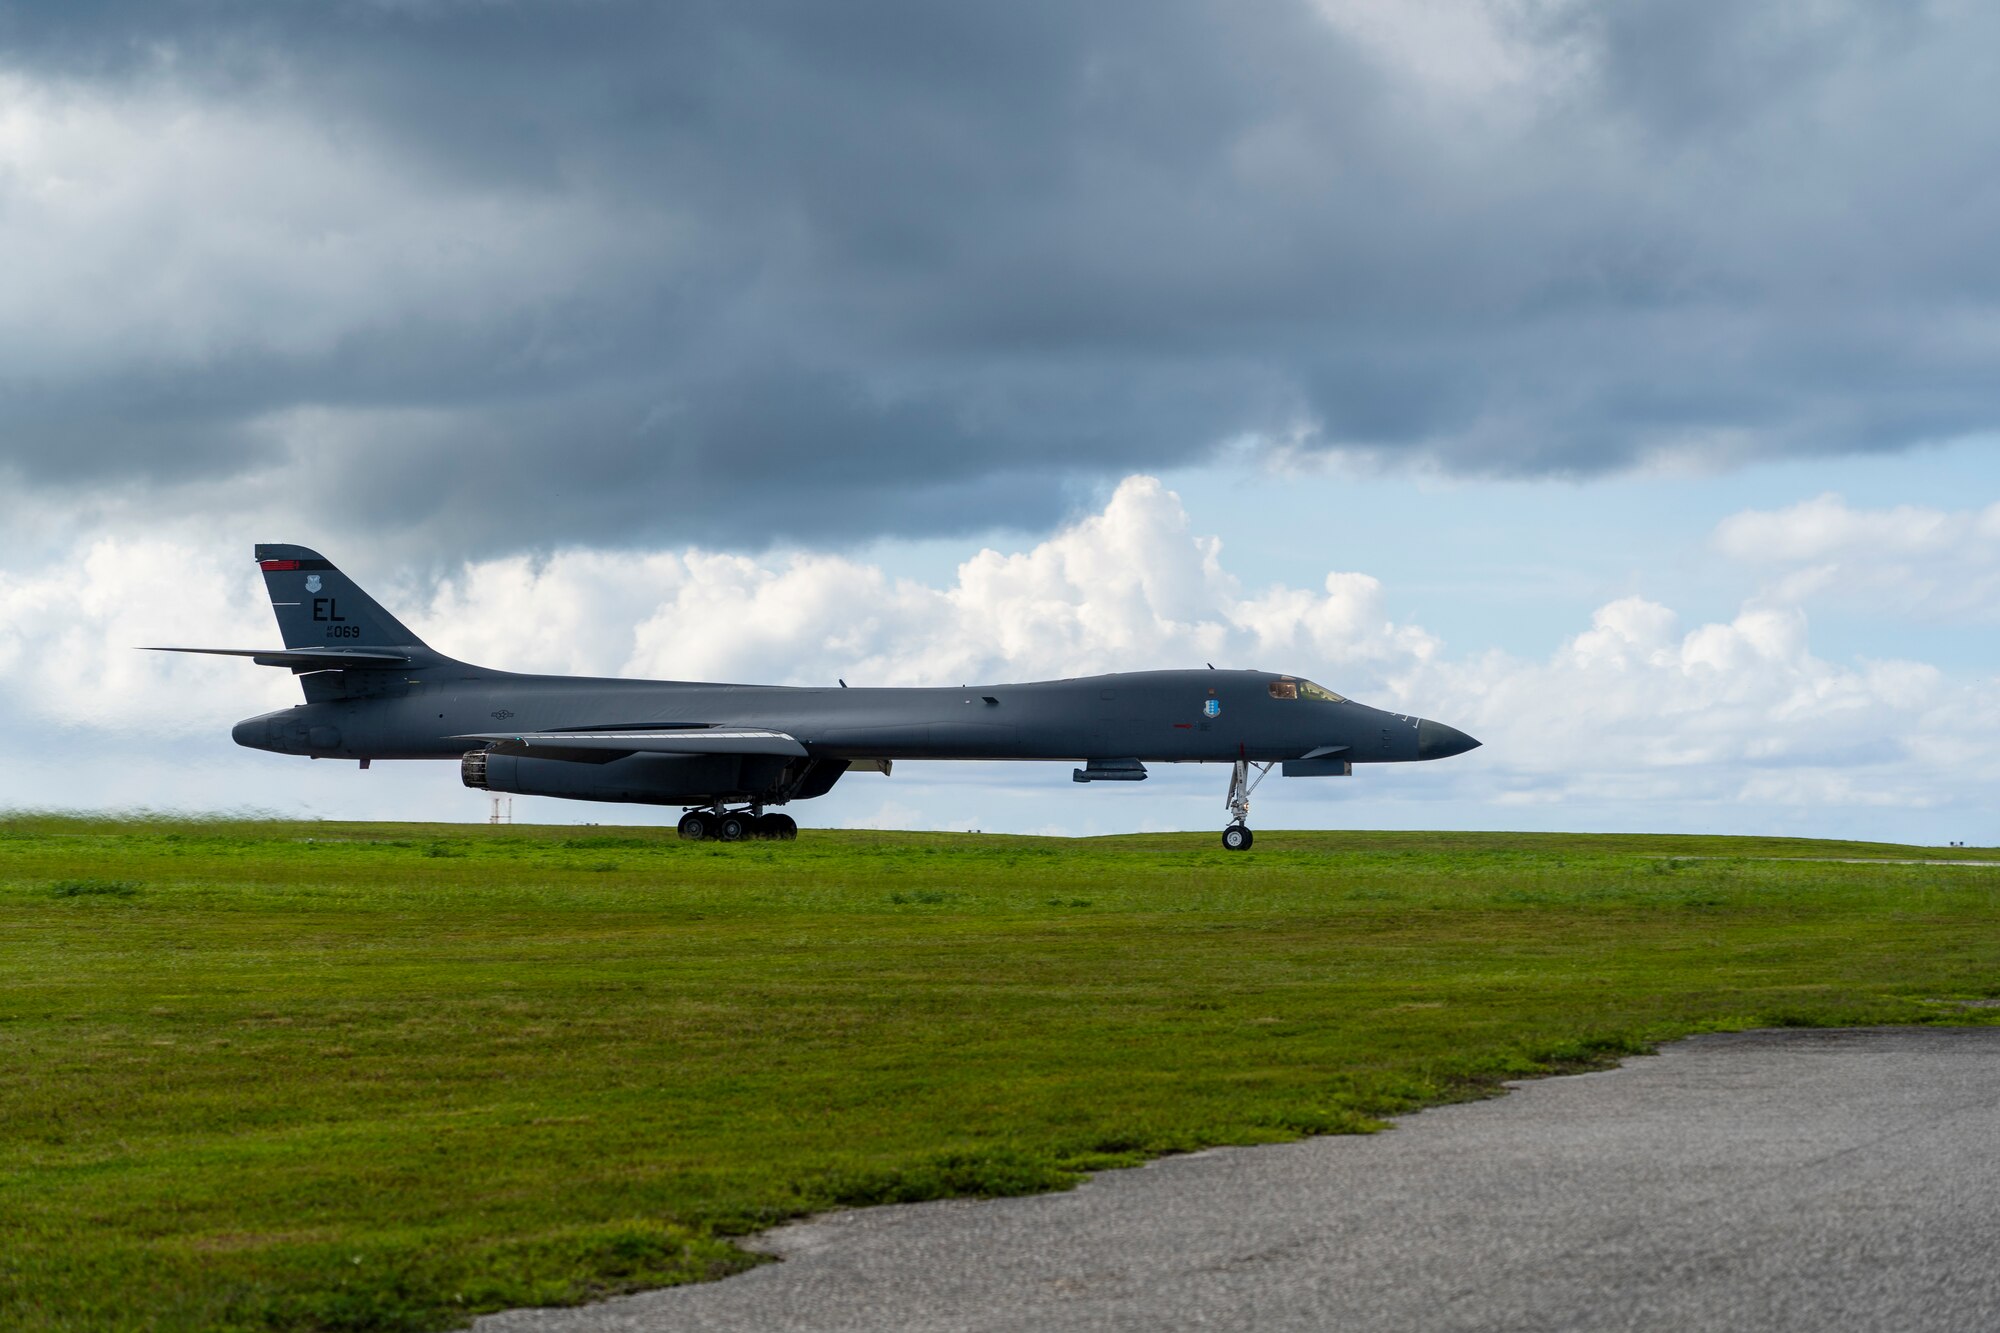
x,y
503,810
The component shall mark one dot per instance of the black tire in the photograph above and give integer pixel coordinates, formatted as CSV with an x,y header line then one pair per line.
x,y
694,825
732,828
1237,838
767,826
788,828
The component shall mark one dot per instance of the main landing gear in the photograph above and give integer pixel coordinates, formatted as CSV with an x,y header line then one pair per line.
x,y
719,825
1237,837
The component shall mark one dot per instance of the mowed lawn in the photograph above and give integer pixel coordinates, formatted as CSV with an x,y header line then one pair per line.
x,y
269,1075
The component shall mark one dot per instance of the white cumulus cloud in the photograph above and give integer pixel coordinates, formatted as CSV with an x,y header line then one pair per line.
x,y
1912,560
1130,587
68,633
1697,706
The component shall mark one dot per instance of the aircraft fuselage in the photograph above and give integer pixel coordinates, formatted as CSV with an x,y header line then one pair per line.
x,y
1153,716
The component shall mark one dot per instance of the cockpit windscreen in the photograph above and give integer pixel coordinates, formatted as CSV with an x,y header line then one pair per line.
x,y
1286,687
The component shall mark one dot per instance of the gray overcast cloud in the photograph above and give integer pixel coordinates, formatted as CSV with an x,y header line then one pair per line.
x,y
522,275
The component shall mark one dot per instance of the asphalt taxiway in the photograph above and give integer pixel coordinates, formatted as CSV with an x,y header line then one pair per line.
x,y
1765,1180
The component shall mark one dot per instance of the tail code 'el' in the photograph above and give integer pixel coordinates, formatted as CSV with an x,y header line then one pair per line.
x,y
320,607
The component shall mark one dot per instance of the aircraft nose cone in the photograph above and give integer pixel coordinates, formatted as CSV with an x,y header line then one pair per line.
x,y
1437,741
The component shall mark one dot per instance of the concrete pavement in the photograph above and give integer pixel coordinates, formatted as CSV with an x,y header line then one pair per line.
x,y
1770,1180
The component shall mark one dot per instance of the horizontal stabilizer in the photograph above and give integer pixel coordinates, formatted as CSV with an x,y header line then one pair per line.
x,y
302,659
602,746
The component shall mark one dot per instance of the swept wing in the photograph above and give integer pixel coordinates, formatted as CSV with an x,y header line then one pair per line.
x,y
604,746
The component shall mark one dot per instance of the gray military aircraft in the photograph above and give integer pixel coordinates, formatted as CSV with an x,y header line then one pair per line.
x,y
375,691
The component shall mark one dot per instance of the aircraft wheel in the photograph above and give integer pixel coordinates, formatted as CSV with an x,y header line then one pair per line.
x,y
1237,838
788,828
694,825
767,826
732,828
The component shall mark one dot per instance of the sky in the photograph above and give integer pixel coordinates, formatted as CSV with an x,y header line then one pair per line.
x,y
1613,382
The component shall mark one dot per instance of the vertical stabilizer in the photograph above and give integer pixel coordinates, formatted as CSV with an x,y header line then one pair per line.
x,y
320,607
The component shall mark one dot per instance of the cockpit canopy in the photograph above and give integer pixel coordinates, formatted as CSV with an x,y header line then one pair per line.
x,y
1288,687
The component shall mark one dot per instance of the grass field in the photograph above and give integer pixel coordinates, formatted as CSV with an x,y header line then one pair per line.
x,y
336,1076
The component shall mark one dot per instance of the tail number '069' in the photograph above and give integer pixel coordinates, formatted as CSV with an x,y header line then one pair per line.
x,y
327,611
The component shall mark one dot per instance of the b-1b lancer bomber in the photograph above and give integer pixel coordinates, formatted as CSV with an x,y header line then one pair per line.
x,y
731,754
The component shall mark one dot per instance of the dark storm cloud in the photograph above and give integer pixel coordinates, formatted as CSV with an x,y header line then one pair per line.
x,y
724,272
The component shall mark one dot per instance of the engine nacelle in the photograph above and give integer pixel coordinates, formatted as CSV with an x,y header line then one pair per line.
x,y
650,779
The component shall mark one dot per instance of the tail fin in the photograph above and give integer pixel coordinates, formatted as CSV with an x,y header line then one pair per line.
x,y
320,607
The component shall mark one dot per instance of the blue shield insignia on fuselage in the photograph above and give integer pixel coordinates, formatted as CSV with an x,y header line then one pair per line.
x,y
1213,708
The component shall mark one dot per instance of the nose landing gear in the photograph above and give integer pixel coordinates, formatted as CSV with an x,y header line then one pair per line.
x,y
1237,837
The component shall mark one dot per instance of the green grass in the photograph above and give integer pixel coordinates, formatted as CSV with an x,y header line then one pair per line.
x,y
336,1076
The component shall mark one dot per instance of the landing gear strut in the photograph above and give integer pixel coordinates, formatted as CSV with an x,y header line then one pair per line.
x,y
1237,837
